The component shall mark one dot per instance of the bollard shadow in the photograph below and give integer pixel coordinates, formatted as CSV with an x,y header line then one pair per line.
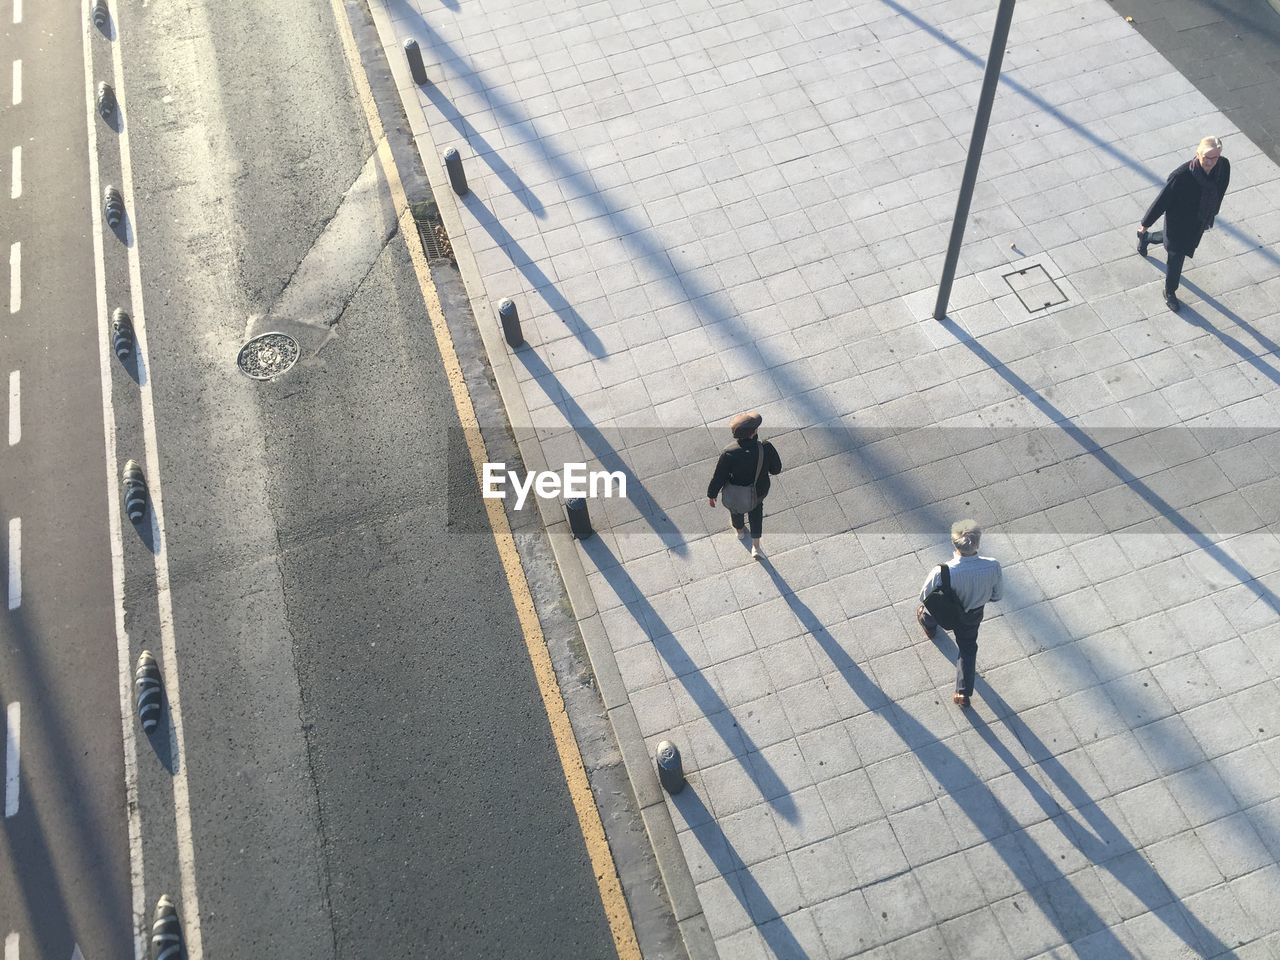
x,y
1097,142
1251,357
113,121
130,364
46,726
1085,825
737,875
162,737
528,267
975,799
480,147
605,452
147,528
1091,447
716,711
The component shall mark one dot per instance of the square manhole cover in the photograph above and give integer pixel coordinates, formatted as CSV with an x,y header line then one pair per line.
x,y
1035,288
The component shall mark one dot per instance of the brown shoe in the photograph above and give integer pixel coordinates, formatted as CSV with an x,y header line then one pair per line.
x,y
960,700
929,632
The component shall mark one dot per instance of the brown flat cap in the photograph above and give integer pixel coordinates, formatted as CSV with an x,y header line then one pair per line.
x,y
745,424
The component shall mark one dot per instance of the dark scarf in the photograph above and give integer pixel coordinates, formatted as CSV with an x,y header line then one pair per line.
x,y
1210,195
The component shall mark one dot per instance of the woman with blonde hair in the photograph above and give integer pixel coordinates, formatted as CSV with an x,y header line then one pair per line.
x,y
1189,201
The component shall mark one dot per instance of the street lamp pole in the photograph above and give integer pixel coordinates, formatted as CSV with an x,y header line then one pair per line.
x,y
990,80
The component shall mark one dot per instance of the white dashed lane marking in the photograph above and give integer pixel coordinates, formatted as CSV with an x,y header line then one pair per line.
x,y
11,947
15,276
15,174
17,82
17,11
15,563
12,761
15,407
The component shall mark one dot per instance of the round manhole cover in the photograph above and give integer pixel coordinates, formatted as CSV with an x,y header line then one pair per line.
x,y
268,356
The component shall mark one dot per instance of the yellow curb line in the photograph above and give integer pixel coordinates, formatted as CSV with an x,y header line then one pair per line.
x,y
597,844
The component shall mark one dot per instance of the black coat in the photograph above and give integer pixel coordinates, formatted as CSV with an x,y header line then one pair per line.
x,y
1179,202
737,465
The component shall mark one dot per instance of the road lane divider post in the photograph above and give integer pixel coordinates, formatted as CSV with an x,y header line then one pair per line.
x,y
113,206
146,680
106,100
166,931
101,15
135,491
122,336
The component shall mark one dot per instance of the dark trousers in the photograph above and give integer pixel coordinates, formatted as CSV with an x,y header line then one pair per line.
x,y
967,643
1173,263
756,517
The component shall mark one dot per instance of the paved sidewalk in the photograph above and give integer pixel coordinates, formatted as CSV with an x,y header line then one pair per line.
x,y
701,207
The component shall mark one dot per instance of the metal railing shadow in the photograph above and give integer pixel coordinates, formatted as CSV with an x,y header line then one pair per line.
x,y
716,711
1114,466
974,798
528,267
737,875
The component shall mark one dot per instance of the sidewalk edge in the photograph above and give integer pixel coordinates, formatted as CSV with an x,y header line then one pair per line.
x,y
676,875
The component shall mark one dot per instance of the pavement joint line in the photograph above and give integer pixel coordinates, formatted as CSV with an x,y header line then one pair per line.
x,y
15,563
612,897
124,671
190,897
15,407
16,97
12,759
15,174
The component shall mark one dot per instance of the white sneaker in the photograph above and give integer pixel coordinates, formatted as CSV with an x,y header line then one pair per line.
x,y
740,534
757,553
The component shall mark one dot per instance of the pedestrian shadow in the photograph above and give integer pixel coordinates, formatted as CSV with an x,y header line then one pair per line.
x,y
971,795
604,451
1115,467
1251,357
737,875
1099,143
1084,825
709,702
528,267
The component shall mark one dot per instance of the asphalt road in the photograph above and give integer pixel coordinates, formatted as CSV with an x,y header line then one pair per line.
x,y
64,864
371,770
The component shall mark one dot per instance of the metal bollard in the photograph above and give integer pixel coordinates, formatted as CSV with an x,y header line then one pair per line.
x,y
670,769
100,14
146,682
113,206
135,491
166,931
579,518
122,339
106,100
510,318
457,176
416,66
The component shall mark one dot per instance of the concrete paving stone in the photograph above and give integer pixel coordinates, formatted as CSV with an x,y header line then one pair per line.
x,y
1220,922
724,904
1250,774
771,889
1169,745
1257,893
1232,666
1151,812
1184,864
1027,924
923,833
1218,729
845,924
1121,762
1234,845
898,906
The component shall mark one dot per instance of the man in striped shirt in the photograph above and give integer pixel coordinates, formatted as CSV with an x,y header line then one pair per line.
x,y
976,582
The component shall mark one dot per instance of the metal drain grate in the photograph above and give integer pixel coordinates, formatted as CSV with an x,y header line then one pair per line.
x,y
1035,288
435,240
267,356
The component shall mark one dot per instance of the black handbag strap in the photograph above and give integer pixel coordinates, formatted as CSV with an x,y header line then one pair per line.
x,y
945,571
759,462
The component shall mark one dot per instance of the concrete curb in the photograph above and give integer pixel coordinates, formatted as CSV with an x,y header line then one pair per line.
x,y
676,875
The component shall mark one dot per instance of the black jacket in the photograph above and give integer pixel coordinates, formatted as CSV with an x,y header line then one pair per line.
x,y
1179,202
737,465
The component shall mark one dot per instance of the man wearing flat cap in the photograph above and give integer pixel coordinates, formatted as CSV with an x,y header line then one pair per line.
x,y
971,582
742,476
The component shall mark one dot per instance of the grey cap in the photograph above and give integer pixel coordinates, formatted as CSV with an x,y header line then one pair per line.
x,y
965,536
